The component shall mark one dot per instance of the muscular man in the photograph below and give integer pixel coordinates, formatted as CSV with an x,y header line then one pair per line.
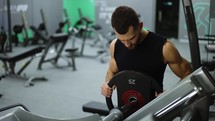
x,y
140,50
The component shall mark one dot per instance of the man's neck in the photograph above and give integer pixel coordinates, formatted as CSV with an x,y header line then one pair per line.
x,y
143,35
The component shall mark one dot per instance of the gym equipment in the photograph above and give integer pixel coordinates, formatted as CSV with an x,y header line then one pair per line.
x,y
85,28
42,28
65,22
191,25
58,41
3,35
8,45
19,112
21,29
10,59
96,107
210,46
17,29
38,35
189,99
103,39
37,32
137,90
25,28
134,90
192,34
3,38
41,32
193,38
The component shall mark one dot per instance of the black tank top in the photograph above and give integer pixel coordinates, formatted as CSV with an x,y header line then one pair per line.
x,y
145,58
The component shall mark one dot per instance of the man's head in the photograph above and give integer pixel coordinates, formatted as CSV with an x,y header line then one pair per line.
x,y
127,26
122,18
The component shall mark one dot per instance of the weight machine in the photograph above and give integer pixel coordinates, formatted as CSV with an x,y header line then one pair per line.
x,y
210,38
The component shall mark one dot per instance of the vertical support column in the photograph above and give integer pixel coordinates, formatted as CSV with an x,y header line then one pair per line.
x,y
192,34
9,26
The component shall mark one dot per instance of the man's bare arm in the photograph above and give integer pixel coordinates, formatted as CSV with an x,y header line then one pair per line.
x,y
112,70
180,66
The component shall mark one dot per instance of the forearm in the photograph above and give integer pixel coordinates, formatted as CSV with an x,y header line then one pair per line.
x,y
109,76
184,69
181,69
187,68
105,89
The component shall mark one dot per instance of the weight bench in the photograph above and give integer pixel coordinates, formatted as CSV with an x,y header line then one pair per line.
x,y
10,59
58,41
96,108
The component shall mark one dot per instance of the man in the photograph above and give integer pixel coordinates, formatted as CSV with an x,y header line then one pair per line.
x,y
140,50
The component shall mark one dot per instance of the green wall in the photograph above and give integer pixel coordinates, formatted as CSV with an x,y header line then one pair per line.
x,y
87,7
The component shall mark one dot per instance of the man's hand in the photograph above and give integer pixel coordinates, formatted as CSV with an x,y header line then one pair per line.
x,y
106,90
158,94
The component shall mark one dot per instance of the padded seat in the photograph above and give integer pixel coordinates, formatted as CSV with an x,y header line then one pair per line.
x,y
96,107
17,56
10,59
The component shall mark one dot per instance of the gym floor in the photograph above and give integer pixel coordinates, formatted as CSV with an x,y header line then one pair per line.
x,y
65,92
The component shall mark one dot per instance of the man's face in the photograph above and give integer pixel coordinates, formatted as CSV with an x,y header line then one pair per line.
x,y
129,39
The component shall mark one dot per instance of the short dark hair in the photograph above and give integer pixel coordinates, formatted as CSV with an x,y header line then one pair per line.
x,y
122,18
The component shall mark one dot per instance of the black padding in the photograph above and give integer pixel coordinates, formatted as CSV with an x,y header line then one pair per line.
x,y
37,33
71,50
96,107
17,28
42,26
59,37
97,27
11,57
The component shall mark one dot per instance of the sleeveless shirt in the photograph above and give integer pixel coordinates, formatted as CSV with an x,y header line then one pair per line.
x,y
146,58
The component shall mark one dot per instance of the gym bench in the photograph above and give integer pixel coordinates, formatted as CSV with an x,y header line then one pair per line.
x,y
10,59
96,108
59,41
